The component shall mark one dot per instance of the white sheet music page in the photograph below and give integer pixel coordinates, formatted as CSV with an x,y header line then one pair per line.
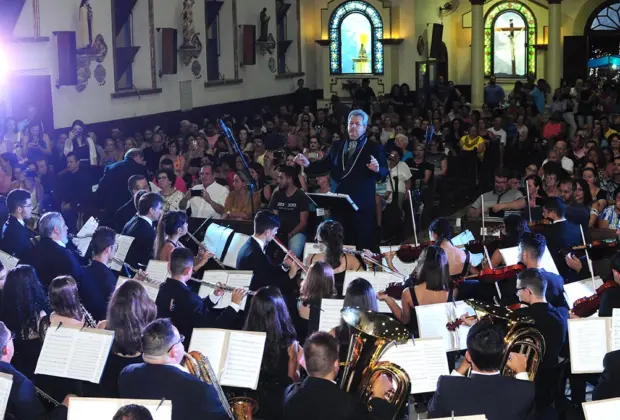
x,y
432,320
85,235
243,359
511,257
463,238
157,270
211,343
238,240
329,317
105,408
615,330
379,282
602,410
123,243
216,238
212,276
478,417
69,352
239,279
580,289
8,261
425,361
151,289
587,339
6,383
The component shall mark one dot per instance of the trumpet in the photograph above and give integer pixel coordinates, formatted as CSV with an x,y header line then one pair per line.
x,y
303,267
204,248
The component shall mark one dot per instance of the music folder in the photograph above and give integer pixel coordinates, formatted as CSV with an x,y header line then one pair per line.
x,y
74,352
335,202
157,270
123,243
235,356
85,235
6,383
602,409
379,280
235,278
8,261
432,320
151,289
589,340
81,408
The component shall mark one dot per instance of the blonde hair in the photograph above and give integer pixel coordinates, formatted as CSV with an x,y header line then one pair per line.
x,y
402,138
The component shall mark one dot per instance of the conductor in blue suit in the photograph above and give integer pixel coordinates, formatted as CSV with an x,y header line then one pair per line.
x,y
356,164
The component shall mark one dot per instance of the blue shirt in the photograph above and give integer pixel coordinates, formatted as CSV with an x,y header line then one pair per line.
x,y
539,99
493,94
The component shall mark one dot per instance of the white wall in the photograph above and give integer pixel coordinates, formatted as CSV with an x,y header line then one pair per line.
x,y
95,104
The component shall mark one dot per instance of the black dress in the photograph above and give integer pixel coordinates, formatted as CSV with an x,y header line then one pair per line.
x,y
271,387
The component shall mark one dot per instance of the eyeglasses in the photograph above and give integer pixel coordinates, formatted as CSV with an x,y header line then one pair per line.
x,y
520,288
181,340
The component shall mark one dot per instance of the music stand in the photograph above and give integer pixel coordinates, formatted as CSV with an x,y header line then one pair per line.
x,y
337,203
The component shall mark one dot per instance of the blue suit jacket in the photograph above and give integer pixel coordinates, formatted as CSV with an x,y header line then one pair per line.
x,y
141,249
96,287
113,190
191,398
50,260
16,238
264,272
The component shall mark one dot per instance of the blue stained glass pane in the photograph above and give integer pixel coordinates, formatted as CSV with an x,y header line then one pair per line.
x,y
607,19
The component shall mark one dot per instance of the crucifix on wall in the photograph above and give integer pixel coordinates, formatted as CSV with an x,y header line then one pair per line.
x,y
512,33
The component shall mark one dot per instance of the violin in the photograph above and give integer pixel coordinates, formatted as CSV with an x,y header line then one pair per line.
x,y
490,275
477,246
595,245
539,225
409,253
395,290
587,306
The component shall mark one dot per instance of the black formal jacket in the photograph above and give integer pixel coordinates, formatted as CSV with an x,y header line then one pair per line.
x,y
16,238
124,214
264,272
317,398
497,397
560,236
555,292
608,385
112,189
96,286
191,398
23,401
354,178
141,249
51,260
609,300
187,310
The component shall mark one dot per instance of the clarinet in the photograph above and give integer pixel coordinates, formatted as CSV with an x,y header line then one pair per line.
x,y
89,321
46,397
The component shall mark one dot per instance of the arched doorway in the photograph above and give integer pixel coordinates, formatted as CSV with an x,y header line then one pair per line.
x,y
603,31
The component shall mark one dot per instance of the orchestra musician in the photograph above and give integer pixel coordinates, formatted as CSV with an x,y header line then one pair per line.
x,y
514,229
252,256
608,385
98,281
356,165
185,308
52,257
133,412
162,376
610,299
319,397
440,233
16,237
318,285
128,210
497,397
171,228
140,227
23,403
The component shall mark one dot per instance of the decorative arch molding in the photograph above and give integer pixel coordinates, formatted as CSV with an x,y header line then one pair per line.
x,y
489,25
335,42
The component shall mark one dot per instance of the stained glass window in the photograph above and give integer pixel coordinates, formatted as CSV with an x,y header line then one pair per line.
x,y
509,39
607,19
355,34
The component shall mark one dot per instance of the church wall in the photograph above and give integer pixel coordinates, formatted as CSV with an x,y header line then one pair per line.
x,y
95,104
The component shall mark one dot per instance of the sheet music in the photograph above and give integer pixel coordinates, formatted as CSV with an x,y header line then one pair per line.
x,y
6,383
424,361
580,289
212,276
587,339
401,267
602,410
316,248
151,290
432,320
85,235
511,257
478,417
379,281
9,261
123,243
105,408
463,238
216,238
243,359
210,342
615,330
240,279
69,352
329,317
238,240
157,270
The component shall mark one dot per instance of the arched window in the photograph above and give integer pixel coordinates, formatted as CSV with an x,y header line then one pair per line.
x,y
355,34
509,39
607,18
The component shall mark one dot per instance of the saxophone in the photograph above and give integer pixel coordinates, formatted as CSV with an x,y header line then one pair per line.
x,y
198,365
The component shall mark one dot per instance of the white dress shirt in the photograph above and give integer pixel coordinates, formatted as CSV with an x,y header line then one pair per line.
x,y
149,221
203,210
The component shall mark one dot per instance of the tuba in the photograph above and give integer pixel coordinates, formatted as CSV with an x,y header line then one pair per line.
x,y
239,408
372,334
521,336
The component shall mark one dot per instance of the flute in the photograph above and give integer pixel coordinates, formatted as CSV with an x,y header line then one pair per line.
x,y
224,287
204,248
135,270
292,256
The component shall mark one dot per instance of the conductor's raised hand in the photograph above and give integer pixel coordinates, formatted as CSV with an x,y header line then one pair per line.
x,y
301,160
373,165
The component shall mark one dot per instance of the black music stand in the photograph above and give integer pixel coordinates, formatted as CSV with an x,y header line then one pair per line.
x,y
337,203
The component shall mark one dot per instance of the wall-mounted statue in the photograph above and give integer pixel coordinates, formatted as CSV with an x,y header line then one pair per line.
x,y
264,25
187,23
85,26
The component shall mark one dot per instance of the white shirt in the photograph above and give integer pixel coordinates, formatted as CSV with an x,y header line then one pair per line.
x,y
60,243
523,376
260,243
567,164
403,173
149,221
499,133
203,210
559,220
215,299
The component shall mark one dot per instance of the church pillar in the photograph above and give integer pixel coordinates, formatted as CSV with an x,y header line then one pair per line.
x,y
554,49
477,53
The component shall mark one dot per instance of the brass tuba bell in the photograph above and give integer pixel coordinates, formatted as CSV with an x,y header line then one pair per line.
x,y
372,334
521,336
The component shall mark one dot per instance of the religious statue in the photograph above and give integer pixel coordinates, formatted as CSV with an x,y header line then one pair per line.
x,y
187,23
264,25
85,26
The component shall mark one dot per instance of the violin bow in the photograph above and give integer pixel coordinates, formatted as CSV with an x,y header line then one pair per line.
x,y
585,245
484,229
415,234
486,253
529,207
